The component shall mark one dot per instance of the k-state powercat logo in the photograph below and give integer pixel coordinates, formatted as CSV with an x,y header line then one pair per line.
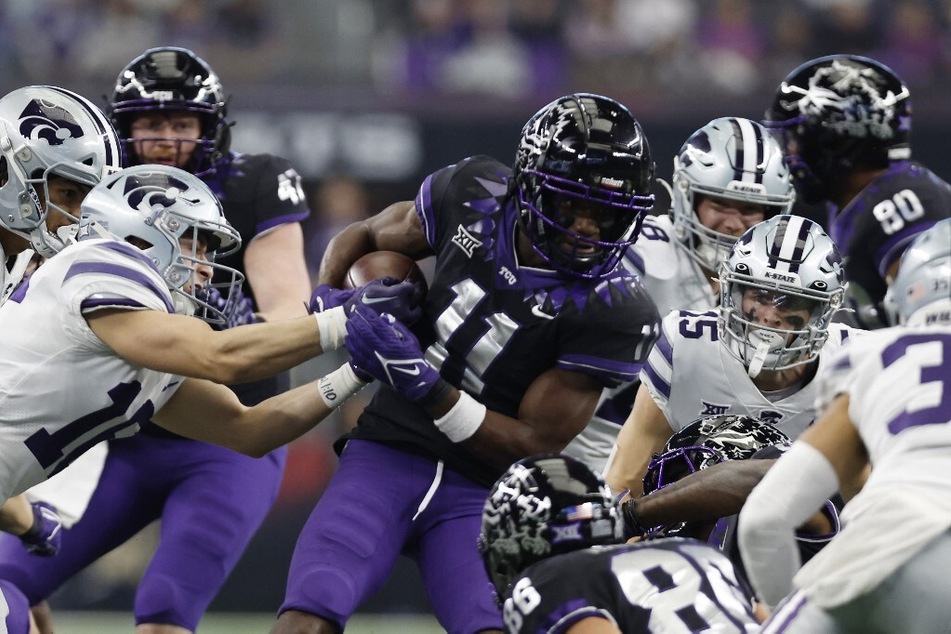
x,y
52,123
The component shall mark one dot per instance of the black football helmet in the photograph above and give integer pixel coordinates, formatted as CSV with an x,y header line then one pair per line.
x,y
583,151
701,444
836,113
170,78
543,506
706,442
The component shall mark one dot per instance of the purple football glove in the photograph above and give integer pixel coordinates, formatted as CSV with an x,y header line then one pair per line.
x,y
239,313
382,347
385,295
45,535
326,297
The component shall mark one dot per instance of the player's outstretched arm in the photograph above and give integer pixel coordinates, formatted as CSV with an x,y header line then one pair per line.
x,y
644,432
187,346
212,413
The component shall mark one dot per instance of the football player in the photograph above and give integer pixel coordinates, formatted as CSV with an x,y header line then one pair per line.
x,y
886,403
552,544
54,146
527,318
112,319
728,176
845,123
755,355
170,108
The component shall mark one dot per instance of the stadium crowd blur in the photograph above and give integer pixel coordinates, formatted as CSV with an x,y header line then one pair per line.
x,y
366,96
644,52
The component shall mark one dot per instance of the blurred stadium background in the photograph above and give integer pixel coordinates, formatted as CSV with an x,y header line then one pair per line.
x,y
366,97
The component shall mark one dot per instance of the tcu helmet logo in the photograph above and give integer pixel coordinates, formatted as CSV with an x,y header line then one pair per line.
x,y
40,120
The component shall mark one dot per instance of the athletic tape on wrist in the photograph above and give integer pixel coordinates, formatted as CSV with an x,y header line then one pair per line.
x,y
332,324
463,419
336,387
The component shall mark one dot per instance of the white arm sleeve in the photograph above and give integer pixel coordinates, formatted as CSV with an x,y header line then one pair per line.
x,y
792,491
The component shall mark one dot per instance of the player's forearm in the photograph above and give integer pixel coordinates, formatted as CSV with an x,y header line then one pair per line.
x,y
277,421
343,250
248,353
706,495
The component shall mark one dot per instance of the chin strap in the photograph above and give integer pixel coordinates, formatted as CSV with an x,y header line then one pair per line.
x,y
765,342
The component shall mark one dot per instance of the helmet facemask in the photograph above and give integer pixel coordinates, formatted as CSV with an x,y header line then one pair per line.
x,y
762,347
172,216
582,155
548,220
779,289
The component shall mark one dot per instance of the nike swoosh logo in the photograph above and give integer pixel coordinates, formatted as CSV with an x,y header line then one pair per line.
x,y
171,385
374,300
538,312
414,371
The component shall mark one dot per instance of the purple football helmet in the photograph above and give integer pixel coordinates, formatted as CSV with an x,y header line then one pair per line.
x,y
583,152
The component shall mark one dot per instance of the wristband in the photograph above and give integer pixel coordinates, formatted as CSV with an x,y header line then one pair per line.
x,y
463,419
336,387
332,324
631,522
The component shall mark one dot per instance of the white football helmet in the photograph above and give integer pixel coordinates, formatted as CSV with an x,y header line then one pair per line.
x,y
733,158
48,130
791,263
920,294
157,208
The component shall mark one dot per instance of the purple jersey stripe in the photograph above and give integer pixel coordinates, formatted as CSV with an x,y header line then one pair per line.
x,y
90,304
133,252
663,346
82,268
270,223
659,383
599,366
424,203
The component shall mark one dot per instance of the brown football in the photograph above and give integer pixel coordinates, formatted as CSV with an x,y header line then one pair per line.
x,y
379,264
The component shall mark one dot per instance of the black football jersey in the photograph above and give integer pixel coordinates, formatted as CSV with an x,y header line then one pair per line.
x,y
258,192
669,585
873,230
492,326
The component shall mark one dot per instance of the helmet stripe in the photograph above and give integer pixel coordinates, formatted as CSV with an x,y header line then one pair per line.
x,y
749,151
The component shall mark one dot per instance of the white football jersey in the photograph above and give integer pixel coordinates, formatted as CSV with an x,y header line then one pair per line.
x,y
62,389
690,374
674,280
899,386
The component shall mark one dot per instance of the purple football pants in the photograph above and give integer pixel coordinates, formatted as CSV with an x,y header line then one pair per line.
x,y
369,515
211,501
14,610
